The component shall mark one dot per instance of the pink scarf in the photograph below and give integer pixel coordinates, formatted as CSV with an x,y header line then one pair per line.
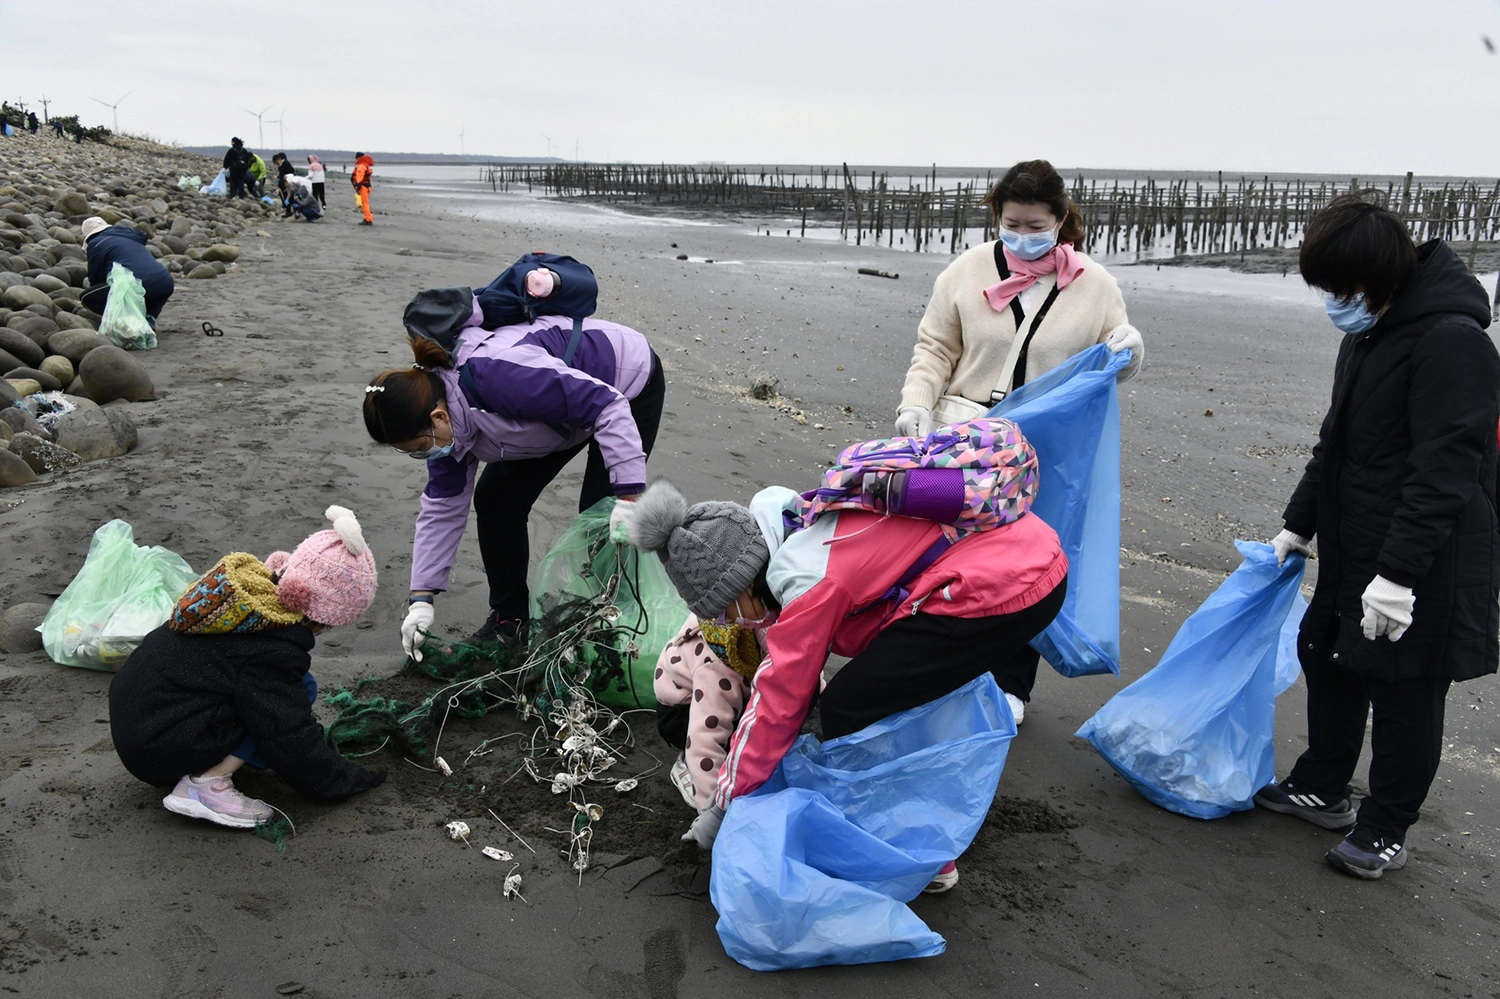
x,y
1024,273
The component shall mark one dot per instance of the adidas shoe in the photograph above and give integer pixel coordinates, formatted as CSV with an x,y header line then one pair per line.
x,y
1288,799
944,879
1366,855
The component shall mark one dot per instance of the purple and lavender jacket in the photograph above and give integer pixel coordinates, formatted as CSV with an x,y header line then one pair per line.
x,y
524,402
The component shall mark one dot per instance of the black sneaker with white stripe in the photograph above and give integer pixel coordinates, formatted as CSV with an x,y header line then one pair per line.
x,y
1366,854
1321,810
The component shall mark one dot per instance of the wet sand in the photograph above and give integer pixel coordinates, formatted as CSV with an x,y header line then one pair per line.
x,y
1076,885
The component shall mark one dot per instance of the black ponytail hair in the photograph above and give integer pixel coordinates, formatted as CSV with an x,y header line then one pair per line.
x,y
399,402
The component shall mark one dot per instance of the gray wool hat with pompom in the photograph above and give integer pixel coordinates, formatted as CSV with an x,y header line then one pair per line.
x,y
712,551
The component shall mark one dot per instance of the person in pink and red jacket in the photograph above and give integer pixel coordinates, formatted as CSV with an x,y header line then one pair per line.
x,y
506,397
805,592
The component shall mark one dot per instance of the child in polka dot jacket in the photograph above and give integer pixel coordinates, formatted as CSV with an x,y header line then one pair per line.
x,y
702,684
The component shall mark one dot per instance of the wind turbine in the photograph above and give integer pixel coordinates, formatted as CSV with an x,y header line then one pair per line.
x,y
461,141
549,143
280,124
115,107
259,123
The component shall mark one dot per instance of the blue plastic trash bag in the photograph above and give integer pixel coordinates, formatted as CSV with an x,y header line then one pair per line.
x,y
1071,415
1194,735
816,866
218,187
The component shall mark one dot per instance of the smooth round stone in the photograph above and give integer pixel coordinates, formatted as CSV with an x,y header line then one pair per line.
x,y
202,272
110,373
225,252
48,283
25,386
69,321
21,296
21,346
37,328
58,367
75,344
22,421
14,471
96,433
8,396
46,381
72,203
18,627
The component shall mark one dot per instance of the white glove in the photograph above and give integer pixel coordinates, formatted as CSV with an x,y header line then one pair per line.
x,y
913,421
705,828
619,520
1388,608
1127,336
418,622
1286,542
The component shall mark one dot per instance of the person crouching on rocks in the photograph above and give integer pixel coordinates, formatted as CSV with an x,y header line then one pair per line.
x,y
105,245
225,681
812,590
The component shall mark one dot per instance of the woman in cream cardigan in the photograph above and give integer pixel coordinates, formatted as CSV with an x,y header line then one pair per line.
x,y
1004,313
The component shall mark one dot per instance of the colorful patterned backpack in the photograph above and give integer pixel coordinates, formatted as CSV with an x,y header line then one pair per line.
x,y
972,476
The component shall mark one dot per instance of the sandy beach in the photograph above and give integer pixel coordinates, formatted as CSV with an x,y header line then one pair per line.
x,y
1075,886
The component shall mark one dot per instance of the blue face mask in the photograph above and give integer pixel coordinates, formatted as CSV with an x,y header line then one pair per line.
x,y
431,453
1349,315
1030,245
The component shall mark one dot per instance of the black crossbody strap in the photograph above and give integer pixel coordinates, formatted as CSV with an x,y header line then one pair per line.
x,y
1019,378
1004,269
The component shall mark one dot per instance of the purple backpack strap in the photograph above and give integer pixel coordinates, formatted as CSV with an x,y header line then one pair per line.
x,y
898,592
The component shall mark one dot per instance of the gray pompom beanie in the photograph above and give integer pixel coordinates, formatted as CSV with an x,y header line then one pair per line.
x,y
713,551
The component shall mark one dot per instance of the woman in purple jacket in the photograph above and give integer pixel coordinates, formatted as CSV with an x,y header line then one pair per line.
x,y
509,399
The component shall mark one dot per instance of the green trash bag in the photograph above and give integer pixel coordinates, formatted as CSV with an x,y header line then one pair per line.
x,y
585,566
124,320
123,592
185,183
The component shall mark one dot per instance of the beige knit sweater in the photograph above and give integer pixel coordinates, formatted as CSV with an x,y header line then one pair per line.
x,y
962,343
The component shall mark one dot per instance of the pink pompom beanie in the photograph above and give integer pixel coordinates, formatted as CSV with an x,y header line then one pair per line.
x,y
330,578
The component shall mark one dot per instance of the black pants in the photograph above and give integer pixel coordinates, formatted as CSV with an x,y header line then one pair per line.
x,y
1406,742
318,193
506,490
920,658
237,183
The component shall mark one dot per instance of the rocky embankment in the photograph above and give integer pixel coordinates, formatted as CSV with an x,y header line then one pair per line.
x,y
65,390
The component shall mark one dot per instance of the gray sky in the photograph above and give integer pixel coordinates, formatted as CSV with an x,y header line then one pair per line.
x,y
1315,85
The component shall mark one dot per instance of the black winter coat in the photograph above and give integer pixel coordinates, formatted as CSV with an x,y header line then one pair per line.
x,y
1402,483
237,160
126,246
181,703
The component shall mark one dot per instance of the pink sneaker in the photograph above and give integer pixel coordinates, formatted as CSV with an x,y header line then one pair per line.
x,y
944,879
217,800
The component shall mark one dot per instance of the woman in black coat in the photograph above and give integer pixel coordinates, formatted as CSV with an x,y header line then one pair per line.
x,y
1400,493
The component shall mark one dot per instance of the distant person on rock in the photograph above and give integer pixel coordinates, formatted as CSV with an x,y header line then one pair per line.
x,y
316,177
237,167
283,168
32,122
1400,493
364,169
523,403
106,245
257,176
225,682
1004,313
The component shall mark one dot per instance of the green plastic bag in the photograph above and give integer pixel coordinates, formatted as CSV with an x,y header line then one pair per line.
x,y
124,320
185,183
585,565
123,592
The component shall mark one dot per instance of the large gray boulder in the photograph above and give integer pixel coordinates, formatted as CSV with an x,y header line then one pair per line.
x,y
14,471
110,373
75,344
22,295
226,252
21,346
69,321
42,455
92,434
18,627
22,420
8,395
48,283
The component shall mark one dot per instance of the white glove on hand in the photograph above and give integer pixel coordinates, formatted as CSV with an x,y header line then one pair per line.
x,y
705,828
619,521
914,421
1388,608
418,622
1127,336
1286,542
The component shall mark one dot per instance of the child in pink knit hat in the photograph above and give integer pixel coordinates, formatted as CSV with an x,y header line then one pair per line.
x,y
225,681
